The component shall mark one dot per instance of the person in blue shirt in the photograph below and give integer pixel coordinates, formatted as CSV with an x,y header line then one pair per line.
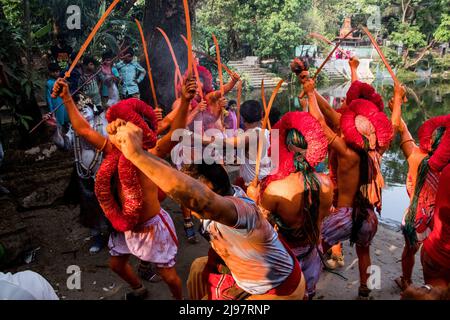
x,y
61,115
131,73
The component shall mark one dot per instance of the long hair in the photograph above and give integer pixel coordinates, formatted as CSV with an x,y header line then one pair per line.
x,y
422,173
311,186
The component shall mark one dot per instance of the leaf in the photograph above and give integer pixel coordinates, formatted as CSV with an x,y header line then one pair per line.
x,y
43,31
102,9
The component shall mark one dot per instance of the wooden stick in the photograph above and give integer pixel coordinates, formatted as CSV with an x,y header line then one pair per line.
x,y
219,64
90,38
331,53
189,34
328,58
147,60
264,102
197,75
266,118
239,95
380,53
175,82
174,57
322,38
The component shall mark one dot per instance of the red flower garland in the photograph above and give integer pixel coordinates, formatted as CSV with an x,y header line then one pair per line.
x,y
311,129
362,90
383,127
441,156
125,217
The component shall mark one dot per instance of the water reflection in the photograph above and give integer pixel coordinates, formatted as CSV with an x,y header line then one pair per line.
x,y
426,98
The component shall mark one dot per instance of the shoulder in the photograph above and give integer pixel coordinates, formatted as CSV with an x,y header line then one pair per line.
x,y
244,205
416,156
325,181
286,187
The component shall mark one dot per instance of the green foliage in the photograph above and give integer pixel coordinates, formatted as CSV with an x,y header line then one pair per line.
x,y
409,36
392,56
268,28
442,33
440,64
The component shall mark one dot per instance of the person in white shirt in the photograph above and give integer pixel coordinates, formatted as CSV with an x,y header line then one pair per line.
x,y
26,285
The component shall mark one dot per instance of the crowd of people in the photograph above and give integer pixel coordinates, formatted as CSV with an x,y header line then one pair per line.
x,y
276,228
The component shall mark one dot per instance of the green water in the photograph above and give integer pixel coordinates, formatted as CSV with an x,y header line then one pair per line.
x,y
426,99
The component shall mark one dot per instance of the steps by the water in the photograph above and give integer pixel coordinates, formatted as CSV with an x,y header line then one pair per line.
x,y
250,67
330,70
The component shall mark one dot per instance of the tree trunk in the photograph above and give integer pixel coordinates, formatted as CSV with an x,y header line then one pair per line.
x,y
405,56
168,15
405,8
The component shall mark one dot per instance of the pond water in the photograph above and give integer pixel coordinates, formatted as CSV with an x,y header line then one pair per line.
x,y
426,99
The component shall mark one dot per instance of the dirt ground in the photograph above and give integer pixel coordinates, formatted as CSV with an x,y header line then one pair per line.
x,y
37,178
63,242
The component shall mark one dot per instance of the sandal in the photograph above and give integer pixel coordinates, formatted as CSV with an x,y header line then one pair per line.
x,y
339,260
137,294
329,262
364,293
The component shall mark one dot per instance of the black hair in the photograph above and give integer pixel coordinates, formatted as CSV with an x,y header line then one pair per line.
x,y
129,51
89,59
213,173
231,103
53,67
274,115
251,111
303,65
107,55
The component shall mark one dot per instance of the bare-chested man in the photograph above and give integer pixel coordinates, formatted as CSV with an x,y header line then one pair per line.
x,y
296,198
256,265
152,238
366,133
300,67
422,182
435,255
207,111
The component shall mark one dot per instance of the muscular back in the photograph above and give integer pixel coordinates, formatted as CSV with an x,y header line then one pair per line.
x,y
285,198
348,175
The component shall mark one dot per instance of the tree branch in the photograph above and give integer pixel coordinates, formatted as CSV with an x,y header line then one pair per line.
x,y
425,50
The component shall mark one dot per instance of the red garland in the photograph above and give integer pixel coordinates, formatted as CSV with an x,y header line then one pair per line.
x,y
362,90
381,123
311,129
441,156
125,217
